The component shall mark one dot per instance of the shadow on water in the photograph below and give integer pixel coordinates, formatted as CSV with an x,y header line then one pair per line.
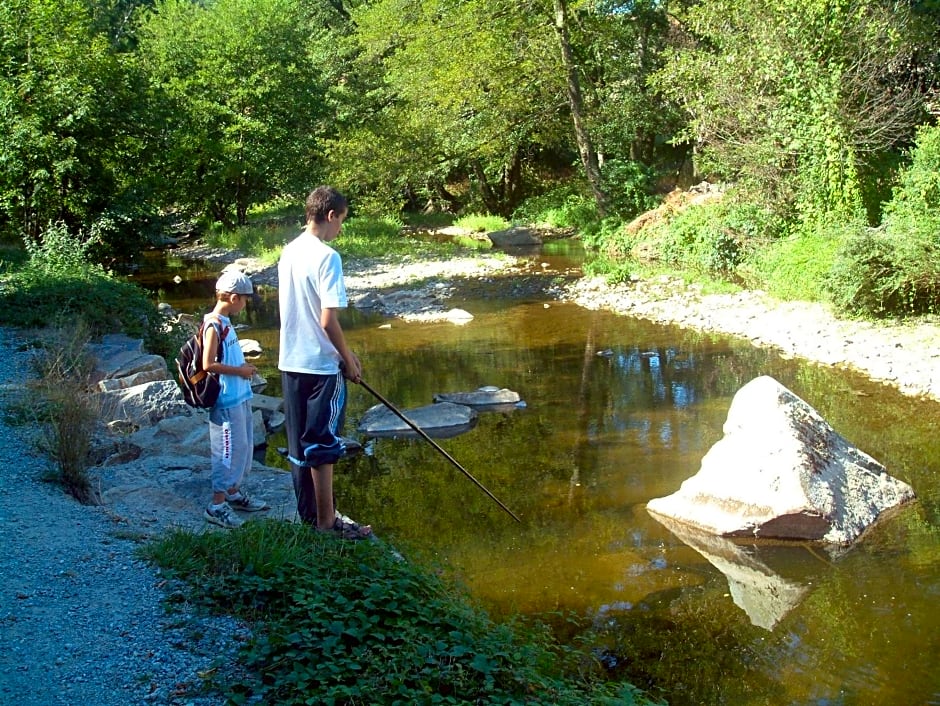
x,y
619,411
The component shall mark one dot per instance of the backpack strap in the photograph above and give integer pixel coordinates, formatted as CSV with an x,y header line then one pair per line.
x,y
223,332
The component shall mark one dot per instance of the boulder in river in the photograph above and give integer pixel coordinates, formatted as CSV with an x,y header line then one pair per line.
x,y
781,471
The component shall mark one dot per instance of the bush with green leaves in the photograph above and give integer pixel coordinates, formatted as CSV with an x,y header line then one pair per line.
x,y
59,281
895,269
798,266
351,623
562,207
714,237
629,186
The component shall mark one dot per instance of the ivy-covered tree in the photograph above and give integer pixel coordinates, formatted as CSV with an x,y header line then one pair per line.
x,y
245,95
796,96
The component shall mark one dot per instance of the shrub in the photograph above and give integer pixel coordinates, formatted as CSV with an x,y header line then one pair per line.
x,y
561,207
629,187
895,270
797,267
878,275
59,282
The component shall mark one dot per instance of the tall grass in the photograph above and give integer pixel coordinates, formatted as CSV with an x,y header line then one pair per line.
x,y
361,237
67,412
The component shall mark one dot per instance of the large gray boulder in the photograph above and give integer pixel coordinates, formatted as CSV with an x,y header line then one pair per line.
x,y
782,472
144,404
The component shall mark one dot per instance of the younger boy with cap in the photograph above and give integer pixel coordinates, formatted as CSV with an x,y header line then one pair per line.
x,y
230,424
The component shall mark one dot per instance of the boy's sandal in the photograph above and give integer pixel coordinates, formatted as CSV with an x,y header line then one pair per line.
x,y
345,528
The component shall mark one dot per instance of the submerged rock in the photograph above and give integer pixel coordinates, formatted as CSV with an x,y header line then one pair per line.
x,y
482,397
781,471
440,420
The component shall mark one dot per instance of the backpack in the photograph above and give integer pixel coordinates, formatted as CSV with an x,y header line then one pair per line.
x,y
200,389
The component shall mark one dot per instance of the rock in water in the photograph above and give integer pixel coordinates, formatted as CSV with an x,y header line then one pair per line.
x,y
781,471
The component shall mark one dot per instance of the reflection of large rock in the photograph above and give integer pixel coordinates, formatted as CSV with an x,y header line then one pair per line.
x,y
781,471
440,419
760,592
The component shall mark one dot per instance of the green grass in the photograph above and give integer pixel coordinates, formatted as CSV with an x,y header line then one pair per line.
x,y
361,237
482,223
348,623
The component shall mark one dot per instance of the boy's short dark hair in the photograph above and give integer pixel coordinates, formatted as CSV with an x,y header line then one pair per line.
x,y
321,201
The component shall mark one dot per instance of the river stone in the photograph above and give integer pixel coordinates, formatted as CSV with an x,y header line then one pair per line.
x,y
781,471
439,419
144,404
515,236
482,397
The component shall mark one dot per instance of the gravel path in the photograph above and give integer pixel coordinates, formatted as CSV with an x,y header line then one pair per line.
x,y
83,619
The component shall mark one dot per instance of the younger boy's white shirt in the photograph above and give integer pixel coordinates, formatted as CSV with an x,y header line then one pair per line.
x,y
310,278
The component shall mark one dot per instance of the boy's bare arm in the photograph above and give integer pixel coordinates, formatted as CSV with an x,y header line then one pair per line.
x,y
329,320
210,353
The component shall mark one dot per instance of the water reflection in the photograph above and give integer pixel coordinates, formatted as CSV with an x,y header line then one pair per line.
x,y
757,589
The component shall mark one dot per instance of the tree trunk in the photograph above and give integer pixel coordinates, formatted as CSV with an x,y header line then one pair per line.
x,y
582,136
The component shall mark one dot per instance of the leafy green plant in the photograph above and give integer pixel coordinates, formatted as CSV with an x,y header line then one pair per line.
x,y
629,186
349,623
562,207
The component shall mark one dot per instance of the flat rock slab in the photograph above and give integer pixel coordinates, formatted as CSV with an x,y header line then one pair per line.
x,y
441,420
483,397
782,472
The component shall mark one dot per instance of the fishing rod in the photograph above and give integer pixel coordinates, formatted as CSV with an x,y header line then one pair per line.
x,y
398,413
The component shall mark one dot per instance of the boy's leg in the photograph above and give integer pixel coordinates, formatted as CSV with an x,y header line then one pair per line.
x,y
225,472
243,444
323,486
314,411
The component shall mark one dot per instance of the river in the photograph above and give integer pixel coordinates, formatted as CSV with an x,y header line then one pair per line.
x,y
618,411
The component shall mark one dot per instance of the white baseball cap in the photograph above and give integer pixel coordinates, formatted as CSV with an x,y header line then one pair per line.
x,y
235,282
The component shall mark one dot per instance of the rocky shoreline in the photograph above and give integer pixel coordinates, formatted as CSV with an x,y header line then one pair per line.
x,y
902,354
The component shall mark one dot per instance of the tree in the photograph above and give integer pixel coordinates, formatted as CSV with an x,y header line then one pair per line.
x,y
795,97
586,149
462,91
65,128
247,99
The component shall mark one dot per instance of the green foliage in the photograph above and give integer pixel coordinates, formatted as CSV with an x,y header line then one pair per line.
x,y
712,238
561,207
244,95
790,96
798,266
895,270
72,123
58,281
629,187
879,275
348,623
482,223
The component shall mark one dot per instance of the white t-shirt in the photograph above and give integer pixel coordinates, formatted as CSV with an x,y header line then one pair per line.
x,y
310,278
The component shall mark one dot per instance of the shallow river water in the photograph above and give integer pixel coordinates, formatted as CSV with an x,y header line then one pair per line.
x,y
618,411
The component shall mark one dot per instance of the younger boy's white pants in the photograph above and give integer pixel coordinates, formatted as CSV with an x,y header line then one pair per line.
x,y
231,442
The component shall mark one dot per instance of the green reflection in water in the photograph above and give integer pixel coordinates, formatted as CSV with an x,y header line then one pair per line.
x,y
602,434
